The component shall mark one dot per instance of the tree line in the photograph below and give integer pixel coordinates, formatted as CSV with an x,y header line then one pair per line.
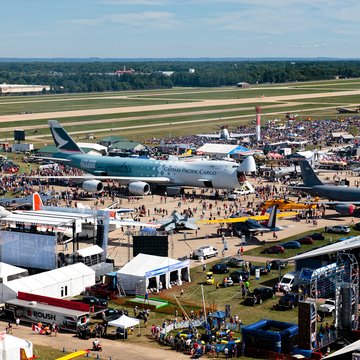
x,y
72,77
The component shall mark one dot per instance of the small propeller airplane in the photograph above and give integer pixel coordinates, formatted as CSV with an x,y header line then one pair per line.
x,y
251,224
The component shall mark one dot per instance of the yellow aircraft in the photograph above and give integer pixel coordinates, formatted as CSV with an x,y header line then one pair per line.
x,y
245,218
73,355
285,204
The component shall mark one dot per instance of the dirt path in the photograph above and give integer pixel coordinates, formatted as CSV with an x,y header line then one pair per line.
x,y
112,349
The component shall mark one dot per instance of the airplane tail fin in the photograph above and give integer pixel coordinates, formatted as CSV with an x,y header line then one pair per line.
x,y
37,202
63,141
308,174
272,218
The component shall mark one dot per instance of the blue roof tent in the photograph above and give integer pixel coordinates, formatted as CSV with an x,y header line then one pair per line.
x,y
218,315
238,149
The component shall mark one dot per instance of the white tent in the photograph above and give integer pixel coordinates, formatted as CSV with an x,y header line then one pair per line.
x,y
9,272
148,271
10,348
59,283
124,322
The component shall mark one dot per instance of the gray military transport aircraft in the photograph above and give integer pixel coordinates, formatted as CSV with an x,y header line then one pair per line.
x,y
344,199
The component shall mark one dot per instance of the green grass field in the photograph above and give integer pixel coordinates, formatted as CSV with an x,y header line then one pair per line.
x,y
198,119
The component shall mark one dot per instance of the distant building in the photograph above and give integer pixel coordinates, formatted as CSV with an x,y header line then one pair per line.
x,y
126,147
167,73
125,71
18,89
110,140
242,85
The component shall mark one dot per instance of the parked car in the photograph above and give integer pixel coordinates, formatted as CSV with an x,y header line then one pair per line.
x,y
235,262
318,236
263,269
276,249
338,229
288,301
259,295
306,240
100,290
293,244
278,264
357,226
210,278
235,275
328,308
110,314
93,301
220,268
205,252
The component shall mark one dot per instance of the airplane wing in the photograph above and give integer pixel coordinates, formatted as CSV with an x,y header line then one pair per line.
x,y
244,218
170,227
127,179
73,355
59,160
190,225
212,136
132,223
237,135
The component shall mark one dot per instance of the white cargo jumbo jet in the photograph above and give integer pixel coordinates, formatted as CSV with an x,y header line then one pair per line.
x,y
141,174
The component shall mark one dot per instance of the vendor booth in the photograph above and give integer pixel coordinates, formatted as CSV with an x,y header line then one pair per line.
x,y
152,273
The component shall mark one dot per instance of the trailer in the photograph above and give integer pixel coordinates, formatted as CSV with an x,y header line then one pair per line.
x,y
35,312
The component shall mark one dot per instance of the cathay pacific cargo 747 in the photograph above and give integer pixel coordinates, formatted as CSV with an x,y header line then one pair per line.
x,y
142,174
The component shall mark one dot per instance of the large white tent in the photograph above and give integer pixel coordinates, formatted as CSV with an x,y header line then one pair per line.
x,y
11,346
59,283
152,272
9,272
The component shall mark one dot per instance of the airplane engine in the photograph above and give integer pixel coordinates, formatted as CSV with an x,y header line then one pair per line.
x,y
139,188
345,209
94,186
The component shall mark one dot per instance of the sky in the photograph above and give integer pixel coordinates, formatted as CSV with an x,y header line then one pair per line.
x,y
179,28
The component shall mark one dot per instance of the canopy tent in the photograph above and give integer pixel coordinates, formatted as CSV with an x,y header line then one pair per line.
x,y
125,322
90,251
147,272
10,348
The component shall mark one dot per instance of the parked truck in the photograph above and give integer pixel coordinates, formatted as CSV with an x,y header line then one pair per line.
x,y
288,301
34,312
290,281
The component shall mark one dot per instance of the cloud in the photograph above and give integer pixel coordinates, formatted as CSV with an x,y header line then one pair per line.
x,y
146,19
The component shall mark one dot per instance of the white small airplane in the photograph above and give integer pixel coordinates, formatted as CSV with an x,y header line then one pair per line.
x,y
224,134
40,210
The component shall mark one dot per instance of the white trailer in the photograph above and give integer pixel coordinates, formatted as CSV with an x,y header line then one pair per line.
x,y
34,312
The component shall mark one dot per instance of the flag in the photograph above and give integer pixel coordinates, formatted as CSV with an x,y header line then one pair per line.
x,y
35,328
